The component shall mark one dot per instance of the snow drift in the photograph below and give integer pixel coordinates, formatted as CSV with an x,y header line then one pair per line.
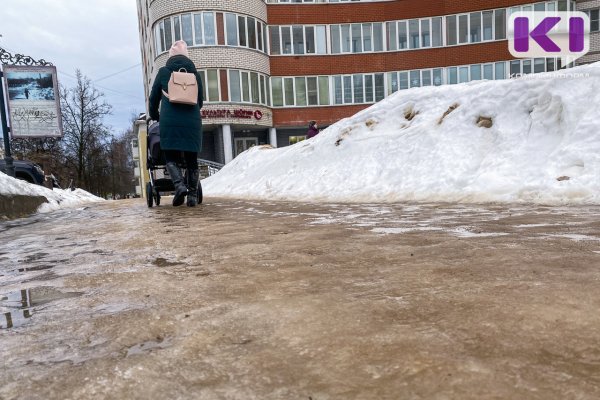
x,y
531,139
57,198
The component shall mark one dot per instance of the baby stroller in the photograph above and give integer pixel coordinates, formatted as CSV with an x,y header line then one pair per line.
x,y
157,164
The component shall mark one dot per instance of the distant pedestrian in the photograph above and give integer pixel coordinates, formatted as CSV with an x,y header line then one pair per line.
x,y
180,125
26,93
313,129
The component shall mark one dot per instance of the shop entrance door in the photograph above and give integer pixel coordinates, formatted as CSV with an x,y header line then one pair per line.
x,y
243,144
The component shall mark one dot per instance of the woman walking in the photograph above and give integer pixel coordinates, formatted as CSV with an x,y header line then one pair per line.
x,y
180,125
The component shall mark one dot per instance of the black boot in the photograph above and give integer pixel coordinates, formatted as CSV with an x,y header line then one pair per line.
x,y
177,178
192,185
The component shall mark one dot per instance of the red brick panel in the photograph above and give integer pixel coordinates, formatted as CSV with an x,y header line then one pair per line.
x,y
224,87
285,14
294,117
391,61
220,30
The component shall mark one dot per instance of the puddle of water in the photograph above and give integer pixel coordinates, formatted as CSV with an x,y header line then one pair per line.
x,y
149,346
17,307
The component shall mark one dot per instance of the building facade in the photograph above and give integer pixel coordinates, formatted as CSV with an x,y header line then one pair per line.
x,y
270,67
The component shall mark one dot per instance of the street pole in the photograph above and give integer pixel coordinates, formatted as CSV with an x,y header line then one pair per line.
x,y
10,168
7,58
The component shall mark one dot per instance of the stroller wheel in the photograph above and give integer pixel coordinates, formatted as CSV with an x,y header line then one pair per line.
x,y
199,193
149,196
157,198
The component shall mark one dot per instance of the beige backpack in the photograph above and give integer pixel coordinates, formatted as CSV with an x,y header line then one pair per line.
x,y
183,88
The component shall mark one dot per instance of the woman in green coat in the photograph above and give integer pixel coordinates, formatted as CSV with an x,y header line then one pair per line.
x,y
180,125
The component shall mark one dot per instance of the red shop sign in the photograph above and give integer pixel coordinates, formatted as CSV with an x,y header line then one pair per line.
x,y
239,113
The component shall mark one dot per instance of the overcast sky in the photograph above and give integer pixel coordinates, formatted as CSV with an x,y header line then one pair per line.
x,y
99,37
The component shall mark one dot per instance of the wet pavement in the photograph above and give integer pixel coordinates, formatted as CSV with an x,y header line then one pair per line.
x,y
248,300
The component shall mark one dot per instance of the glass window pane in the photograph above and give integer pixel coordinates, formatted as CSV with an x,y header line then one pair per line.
x,y
323,90
311,90
277,88
426,77
198,35
286,39
402,35
235,93
367,37
356,38
263,99
415,79
436,32
463,74
208,23
392,82
259,35
500,24
437,77
168,34
378,37
309,32
252,33
288,85
463,29
475,27
488,72
451,30
242,31
515,68
337,89
204,85
403,80
379,87
177,28
476,72
413,31
231,26
162,37
335,39
526,66
298,39
452,75
488,25
186,29
300,91
345,38
368,88
550,64
358,88
539,65
539,7
391,30
321,39
275,45
347,89
425,34
254,87
213,85
500,70
245,87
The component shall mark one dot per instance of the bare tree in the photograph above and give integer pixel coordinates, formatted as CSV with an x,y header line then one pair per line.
x,y
83,110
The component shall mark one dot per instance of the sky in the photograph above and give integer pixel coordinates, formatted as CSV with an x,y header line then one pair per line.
x,y
98,37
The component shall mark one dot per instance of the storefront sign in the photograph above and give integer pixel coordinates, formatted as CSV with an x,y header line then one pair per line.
x,y
240,113
33,101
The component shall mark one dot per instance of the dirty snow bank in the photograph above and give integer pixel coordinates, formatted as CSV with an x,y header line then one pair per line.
x,y
57,198
543,146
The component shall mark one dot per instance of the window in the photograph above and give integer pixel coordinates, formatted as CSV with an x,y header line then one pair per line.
x,y
437,77
288,85
337,89
300,91
254,88
312,91
500,24
356,38
476,72
210,85
425,33
413,31
488,71
252,40
393,82
323,90
475,27
463,74
378,37
436,32
358,88
347,89
500,70
286,39
235,93
242,31
402,35
595,20
367,35
379,87
298,37
452,75
209,28
488,25
451,31
231,27
403,80
296,139
415,79
321,39
426,77
245,87
463,28
335,39
277,89
275,40
368,88
391,30
515,68
186,29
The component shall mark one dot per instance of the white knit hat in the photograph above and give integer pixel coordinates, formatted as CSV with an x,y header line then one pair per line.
x,y
179,48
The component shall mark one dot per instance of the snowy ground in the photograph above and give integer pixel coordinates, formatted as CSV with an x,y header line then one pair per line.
x,y
57,198
432,144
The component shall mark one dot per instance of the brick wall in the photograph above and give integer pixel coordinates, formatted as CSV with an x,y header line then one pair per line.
x,y
288,117
284,14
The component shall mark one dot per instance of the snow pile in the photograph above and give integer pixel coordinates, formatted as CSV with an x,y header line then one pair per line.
x,y
57,198
532,139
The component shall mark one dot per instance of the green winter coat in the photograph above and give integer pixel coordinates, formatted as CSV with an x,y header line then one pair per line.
x,y
180,124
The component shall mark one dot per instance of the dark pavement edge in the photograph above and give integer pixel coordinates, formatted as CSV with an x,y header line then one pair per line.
x,y
18,206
